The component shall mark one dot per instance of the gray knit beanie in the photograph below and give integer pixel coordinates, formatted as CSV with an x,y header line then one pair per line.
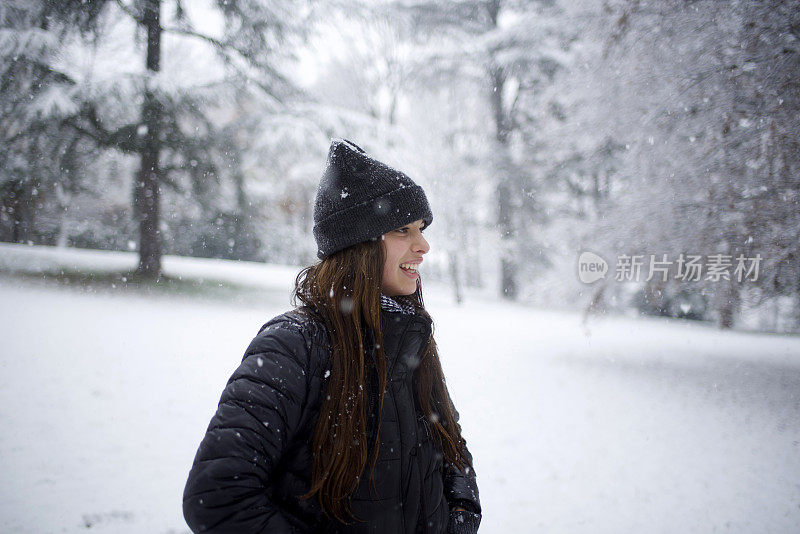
x,y
360,198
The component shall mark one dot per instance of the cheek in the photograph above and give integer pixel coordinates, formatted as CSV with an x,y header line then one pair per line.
x,y
387,271
389,259
392,253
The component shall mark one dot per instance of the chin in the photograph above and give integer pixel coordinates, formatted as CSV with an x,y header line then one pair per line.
x,y
400,290
409,292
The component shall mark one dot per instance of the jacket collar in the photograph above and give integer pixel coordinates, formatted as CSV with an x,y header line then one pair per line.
x,y
391,305
401,315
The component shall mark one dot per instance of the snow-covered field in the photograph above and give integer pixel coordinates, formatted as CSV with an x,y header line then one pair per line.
x,y
620,426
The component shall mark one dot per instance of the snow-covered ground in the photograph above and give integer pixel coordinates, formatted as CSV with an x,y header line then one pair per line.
x,y
620,426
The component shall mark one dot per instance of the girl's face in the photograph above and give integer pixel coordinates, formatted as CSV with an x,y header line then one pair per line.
x,y
402,247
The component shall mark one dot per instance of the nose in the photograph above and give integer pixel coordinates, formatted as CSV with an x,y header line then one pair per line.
x,y
421,244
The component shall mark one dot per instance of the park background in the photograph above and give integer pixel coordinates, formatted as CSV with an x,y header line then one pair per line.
x,y
158,167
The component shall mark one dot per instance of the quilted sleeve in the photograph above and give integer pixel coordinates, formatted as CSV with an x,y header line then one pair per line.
x,y
461,491
257,416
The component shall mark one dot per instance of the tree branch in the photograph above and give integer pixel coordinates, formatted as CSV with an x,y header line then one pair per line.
x,y
129,11
225,47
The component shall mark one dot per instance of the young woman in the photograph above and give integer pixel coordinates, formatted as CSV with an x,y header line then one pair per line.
x,y
338,419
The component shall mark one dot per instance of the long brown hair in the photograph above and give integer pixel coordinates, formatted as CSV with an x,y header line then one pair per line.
x,y
343,291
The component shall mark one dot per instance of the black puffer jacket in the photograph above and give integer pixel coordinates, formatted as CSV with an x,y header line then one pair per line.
x,y
256,455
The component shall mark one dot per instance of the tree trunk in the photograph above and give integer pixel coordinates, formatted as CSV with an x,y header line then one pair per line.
x,y
63,198
729,301
503,192
148,185
23,195
22,211
508,232
796,325
508,264
242,247
455,275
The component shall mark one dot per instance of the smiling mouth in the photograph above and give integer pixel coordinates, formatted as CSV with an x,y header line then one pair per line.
x,y
409,267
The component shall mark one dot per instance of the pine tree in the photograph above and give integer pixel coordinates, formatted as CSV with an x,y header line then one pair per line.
x,y
173,129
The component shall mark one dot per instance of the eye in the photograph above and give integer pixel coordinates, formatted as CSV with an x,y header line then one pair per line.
x,y
402,230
